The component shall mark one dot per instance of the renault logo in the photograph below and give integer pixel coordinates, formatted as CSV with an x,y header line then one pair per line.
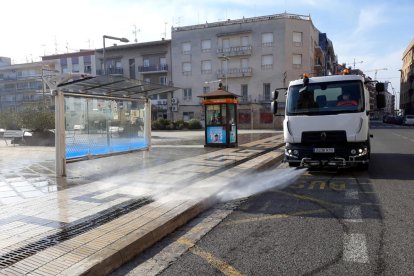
x,y
323,136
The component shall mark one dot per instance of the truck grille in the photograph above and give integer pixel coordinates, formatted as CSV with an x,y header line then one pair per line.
x,y
321,137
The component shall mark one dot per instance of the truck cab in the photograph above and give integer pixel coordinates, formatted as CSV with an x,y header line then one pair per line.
x,y
327,122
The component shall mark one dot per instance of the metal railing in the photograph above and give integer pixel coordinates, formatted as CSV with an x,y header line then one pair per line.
x,y
153,68
235,51
235,72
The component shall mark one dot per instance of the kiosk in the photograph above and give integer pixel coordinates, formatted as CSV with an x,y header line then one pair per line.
x,y
220,110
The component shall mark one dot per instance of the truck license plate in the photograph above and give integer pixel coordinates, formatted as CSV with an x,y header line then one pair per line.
x,y
324,150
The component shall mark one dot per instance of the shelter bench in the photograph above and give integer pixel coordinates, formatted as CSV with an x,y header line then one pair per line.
x,y
15,136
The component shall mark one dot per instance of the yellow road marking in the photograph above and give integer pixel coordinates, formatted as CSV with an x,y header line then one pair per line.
x,y
277,216
309,198
224,267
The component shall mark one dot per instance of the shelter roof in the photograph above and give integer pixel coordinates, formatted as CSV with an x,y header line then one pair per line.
x,y
112,86
219,93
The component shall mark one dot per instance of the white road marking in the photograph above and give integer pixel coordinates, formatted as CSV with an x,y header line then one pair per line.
x,y
355,248
353,213
351,194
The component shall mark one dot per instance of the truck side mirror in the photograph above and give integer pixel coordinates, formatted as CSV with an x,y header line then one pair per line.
x,y
273,106
380,101
379,87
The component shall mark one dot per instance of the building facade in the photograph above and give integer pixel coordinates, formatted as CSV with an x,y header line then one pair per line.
x,y
407,80
76,62
148,61
251,57
22,84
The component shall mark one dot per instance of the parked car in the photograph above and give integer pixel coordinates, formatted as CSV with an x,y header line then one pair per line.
x,y
408,120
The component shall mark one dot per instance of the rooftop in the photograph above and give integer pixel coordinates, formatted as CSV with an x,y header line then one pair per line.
x,y
243,20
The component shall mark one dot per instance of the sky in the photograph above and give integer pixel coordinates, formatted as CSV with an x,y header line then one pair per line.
x,y
374,34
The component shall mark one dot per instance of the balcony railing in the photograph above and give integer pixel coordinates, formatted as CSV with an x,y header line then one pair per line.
x,y
111,71
235,73
235,51
246,99
264,98
159,68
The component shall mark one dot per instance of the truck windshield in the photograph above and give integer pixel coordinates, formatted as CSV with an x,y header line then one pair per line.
x,y
326,98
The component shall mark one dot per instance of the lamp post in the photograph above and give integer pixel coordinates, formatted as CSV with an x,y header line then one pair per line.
x,y
122,39
226,58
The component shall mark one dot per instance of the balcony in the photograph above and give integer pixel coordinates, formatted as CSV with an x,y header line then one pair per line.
x,y
246,99
110,71
264,98
151,69
235,51
235,73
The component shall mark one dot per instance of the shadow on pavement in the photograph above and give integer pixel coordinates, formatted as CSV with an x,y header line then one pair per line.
x,y
392,166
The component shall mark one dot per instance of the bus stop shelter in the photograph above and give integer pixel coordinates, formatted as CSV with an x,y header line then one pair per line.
x,y
99,116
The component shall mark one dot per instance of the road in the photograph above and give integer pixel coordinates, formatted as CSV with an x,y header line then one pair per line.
x,y
325,223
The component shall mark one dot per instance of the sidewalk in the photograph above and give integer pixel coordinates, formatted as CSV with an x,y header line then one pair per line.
x,y
109,210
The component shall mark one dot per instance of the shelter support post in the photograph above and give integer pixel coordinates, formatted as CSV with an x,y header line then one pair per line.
x,y
60,134
147,124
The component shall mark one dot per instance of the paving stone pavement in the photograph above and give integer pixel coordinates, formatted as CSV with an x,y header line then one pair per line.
x,y
108,210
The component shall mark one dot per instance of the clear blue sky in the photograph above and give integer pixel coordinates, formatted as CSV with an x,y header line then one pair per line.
x,y
375,32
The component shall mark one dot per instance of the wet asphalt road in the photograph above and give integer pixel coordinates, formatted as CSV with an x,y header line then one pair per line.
x,y
327,222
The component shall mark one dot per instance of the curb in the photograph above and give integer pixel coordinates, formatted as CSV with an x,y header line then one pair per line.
x,y
124,250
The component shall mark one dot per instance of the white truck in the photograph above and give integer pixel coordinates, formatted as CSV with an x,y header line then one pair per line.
x,y
327,121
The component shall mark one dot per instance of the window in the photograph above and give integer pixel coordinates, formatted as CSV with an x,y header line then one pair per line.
x,y
206,89
206,45
186,48
244,93
267,62
75,68
244,62
244,41
206,67
186,68
75,60
297,61
87,59
267,39
65,68
187,94
226,45
266,91
297,39
146,62
163,61
87,68
163,80
188,115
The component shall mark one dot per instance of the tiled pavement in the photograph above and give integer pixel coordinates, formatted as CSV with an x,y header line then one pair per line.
x,y
91,228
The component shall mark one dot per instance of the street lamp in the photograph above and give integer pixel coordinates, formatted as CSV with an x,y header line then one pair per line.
x,y
226,58
122,39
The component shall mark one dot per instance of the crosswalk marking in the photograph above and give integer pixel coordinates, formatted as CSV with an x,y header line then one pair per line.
x,y
355,248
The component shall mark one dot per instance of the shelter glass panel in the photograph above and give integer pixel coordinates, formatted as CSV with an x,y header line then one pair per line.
x,y
103,126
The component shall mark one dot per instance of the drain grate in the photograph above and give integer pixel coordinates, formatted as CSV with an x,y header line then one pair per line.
x,y
72,230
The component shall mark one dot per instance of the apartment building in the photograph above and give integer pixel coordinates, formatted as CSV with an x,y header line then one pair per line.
x,y
407,80
251,57
21,84
76,62
148,61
